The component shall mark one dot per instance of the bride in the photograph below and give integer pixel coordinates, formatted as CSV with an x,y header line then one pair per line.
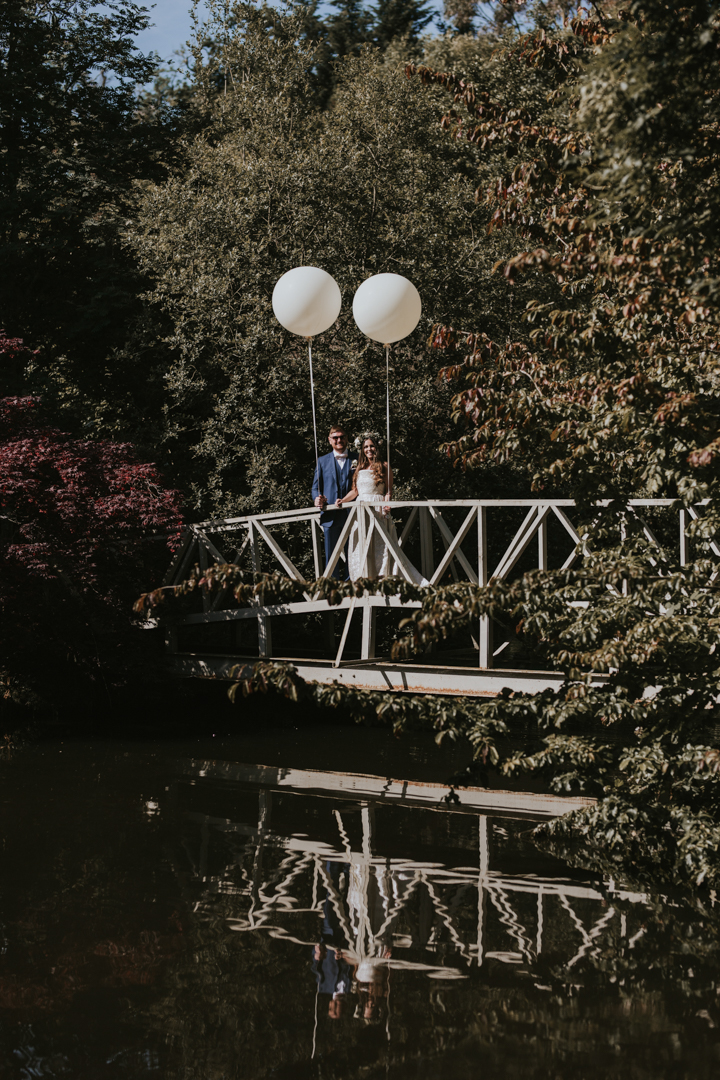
x,y
373,483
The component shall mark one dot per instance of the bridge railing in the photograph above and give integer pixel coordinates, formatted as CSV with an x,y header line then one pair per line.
x,y
475,540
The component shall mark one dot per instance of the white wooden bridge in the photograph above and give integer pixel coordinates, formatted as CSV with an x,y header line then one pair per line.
x,y
474,540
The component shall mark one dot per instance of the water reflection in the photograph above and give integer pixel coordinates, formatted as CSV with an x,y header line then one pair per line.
x,y
202,920
340,879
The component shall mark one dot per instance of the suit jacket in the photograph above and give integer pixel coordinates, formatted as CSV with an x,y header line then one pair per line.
x,y
332,482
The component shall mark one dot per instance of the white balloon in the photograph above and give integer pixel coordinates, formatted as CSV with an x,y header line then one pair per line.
x,y
306,301
387,307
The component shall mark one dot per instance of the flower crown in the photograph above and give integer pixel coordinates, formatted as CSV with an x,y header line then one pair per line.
x,y
377,439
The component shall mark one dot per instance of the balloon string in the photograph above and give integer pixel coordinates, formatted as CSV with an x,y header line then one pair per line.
x,y
312,395
387,411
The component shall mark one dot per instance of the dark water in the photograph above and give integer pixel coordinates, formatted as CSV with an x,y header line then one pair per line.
x,y
157,922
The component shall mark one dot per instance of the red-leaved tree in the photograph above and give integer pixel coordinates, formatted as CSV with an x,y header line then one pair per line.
x,y
83,523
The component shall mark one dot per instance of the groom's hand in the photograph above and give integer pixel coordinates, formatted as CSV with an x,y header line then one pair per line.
x,y
321,501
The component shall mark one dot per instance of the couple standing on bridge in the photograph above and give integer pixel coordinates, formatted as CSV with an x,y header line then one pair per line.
x,y
342,477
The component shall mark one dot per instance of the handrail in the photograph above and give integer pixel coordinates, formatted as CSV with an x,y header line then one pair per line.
x,y
301,512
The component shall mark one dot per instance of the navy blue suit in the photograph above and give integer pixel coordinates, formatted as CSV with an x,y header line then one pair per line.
x,y
333,479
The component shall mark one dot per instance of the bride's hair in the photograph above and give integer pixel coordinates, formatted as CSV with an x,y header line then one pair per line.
x,y
378,466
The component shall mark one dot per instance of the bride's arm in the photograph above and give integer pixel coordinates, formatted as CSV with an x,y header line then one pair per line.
x,y
352,494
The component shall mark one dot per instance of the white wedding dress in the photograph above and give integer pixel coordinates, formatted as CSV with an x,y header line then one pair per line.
x,y
380,560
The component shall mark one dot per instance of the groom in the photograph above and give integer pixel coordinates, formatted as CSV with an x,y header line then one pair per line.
x,y
333,480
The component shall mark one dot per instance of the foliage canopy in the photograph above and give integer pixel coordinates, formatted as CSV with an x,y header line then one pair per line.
x,y
73,146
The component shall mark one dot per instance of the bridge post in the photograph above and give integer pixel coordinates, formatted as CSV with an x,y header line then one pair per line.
x,y
427,560
542,545
685,544
315,528
367,646
328,618
364,526
485,659
427,555
264,631
203,556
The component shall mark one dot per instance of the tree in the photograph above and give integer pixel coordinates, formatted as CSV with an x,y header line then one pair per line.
x,y
621,401
77,518
73,148
347,28
358,189
462,14
405,19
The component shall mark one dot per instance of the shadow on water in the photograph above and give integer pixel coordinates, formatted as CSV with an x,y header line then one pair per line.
x,y
168,911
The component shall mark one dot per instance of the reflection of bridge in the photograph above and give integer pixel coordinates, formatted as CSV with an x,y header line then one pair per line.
x,y
441,888
468,540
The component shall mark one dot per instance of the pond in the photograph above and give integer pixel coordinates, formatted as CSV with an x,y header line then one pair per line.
x,y
245,908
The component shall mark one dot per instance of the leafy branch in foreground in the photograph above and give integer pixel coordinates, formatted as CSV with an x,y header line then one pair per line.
x,y
251,588
642,740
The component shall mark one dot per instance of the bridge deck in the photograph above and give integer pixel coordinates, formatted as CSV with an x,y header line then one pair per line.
x,y
382,675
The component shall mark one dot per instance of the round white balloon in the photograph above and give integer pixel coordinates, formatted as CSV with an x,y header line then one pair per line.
x,y
306,301
387,307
